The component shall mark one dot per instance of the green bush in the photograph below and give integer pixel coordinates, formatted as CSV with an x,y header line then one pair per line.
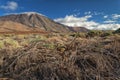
x,y
72,35
49,45
82,35
78,34
117,31
1,44
11,42
94,33
37,38
107,33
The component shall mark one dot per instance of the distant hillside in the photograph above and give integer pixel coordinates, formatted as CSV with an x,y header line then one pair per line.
x,y
30,21
79,29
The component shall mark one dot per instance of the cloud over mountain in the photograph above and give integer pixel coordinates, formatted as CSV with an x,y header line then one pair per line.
x,y
84,21
72,20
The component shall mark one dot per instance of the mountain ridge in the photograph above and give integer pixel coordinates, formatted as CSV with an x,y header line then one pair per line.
x,y
79,29
35,20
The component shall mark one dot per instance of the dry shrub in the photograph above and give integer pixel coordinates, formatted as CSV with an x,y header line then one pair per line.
x,y
60,40
81,59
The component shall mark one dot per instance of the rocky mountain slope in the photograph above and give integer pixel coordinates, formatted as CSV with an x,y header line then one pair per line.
x,y
30,21
79,29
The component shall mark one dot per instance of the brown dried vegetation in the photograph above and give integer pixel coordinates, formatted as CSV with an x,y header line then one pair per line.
x,y
73,59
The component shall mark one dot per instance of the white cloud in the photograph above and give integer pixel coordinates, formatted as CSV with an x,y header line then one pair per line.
x,y
109,21
98,13
107,26
106,16
72,18
93,13
88,13
75,21
116,16
76,10
11,5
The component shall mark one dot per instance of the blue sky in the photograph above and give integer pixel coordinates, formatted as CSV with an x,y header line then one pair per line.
x,y
95,14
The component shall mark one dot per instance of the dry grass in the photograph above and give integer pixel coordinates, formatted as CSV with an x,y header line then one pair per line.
x,y
68,59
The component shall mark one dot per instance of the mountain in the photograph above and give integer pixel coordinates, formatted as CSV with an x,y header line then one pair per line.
x,y
79,29
9,26
29,21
